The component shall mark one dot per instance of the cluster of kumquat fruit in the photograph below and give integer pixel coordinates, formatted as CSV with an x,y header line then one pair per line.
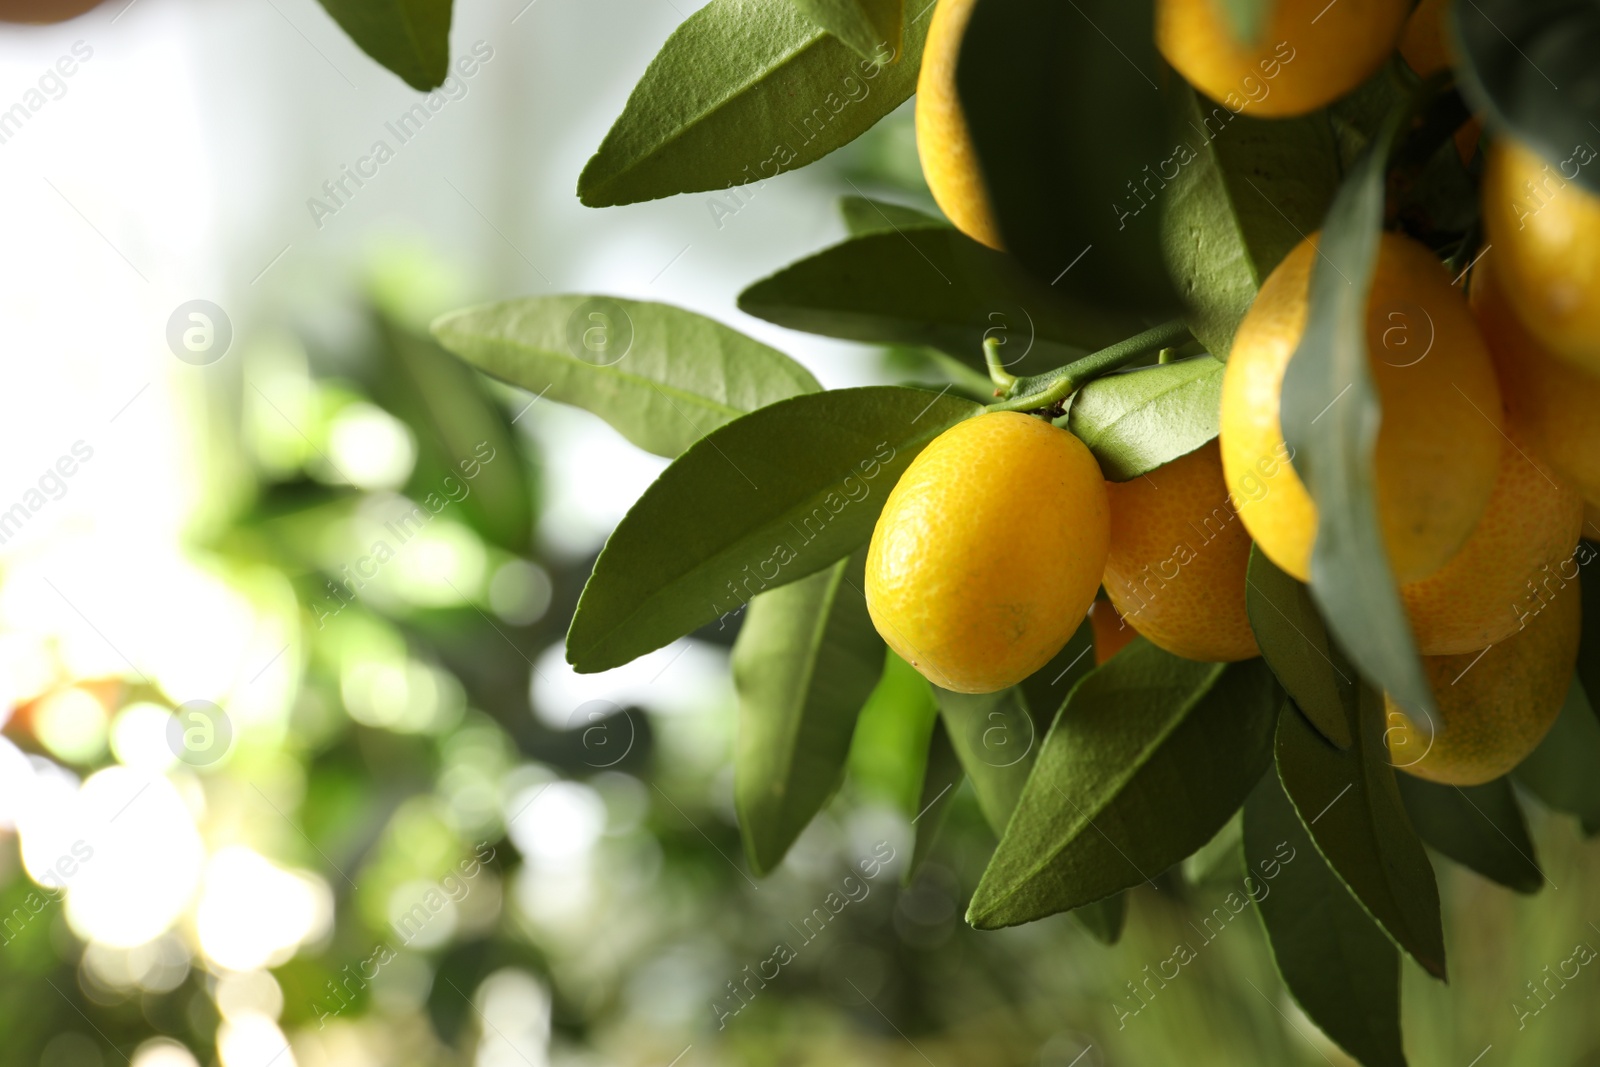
x,y
999,537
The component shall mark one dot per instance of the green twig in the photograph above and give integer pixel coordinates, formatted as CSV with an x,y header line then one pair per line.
x,y
1048,390
1003,379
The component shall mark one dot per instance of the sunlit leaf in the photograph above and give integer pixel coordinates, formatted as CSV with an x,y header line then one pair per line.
x,y
462,435
867,26
764,501
742,91
889,753
805,662
664,377
1139,420
1240,194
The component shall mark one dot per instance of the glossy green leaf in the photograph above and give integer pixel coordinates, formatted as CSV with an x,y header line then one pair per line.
x,y
1333,443
1057,171
863,216
1237,195
1564,771
996,741
1478,826
805,661
410,37
938,287
889,753
1150,757
1531,66
766,500
663,376
869,27
1138,420
1104,918
1296,646
1339,966
462,434
742,91
1351,806
941,779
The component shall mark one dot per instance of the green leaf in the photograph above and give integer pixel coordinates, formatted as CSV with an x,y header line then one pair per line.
x,y
1057,171
459,429
1561,771
933,285
1138,420
1296,646
1531,66
1104,918
1243,193
1336,962
805,662
889,753
742,91
410,37
1478,826
863,216
940,779
1333,443
995,739
664,377
1351,806
867,26
766,500
1150,757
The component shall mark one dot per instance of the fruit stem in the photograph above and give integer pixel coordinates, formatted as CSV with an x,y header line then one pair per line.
x,y
1002,378
1047,390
